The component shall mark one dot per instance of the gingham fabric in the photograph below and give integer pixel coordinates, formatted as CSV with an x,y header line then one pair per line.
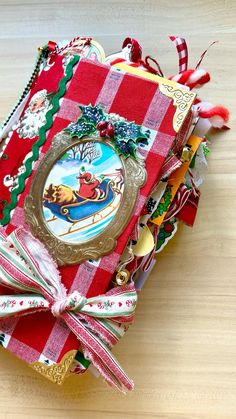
x,y
40,336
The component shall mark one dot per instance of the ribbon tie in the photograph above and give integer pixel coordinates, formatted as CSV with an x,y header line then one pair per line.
x,y
73,302
98,322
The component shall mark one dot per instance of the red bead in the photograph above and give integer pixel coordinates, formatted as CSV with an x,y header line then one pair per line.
x,y
168,228
110,130
103,133
102,125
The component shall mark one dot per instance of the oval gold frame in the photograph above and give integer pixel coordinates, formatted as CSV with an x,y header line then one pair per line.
x,y
67,253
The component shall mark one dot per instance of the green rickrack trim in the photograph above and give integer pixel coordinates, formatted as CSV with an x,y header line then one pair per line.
x,y
42,138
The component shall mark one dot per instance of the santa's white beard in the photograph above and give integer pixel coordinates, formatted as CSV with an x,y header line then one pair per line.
x,y
31,123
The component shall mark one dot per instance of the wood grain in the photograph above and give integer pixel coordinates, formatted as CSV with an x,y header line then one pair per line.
x,y
181,351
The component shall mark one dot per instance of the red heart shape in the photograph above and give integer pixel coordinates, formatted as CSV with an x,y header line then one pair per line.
x,y
120,304
21,303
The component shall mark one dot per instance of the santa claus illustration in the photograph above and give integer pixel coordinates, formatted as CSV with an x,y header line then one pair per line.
x,y
89,186
35,115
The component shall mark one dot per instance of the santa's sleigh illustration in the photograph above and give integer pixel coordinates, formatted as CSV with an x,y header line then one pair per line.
x,y
80,209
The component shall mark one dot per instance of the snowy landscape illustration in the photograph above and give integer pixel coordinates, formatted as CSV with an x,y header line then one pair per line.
x,y
83,191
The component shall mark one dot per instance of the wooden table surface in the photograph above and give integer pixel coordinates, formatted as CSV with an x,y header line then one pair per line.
x,y
181,350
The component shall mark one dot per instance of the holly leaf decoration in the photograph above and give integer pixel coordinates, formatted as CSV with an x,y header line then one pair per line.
x,y
126,149
126,131
80,128
87,122
126,136
93,114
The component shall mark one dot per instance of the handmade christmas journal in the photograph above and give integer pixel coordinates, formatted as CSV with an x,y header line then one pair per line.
x,y
93,163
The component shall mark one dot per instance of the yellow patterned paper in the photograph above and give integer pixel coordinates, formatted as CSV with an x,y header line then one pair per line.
x,y
177,177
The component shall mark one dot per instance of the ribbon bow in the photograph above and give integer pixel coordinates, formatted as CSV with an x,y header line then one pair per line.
x,y
98,322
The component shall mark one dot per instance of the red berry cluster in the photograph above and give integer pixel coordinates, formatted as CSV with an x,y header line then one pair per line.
x,y
106,129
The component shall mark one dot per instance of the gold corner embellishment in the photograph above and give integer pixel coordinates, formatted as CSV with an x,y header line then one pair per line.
x,y
182,99
55,372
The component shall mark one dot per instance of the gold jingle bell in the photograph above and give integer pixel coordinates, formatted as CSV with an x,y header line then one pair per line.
x,y
187,154
122,277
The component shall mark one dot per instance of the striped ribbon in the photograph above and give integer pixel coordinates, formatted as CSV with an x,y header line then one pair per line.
x,y
182,50
55,50
97,322
179,201
192,78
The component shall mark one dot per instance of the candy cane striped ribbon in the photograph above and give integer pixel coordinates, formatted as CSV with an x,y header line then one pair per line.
x,y
56,50
180,199
97,322
191,78
182,50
